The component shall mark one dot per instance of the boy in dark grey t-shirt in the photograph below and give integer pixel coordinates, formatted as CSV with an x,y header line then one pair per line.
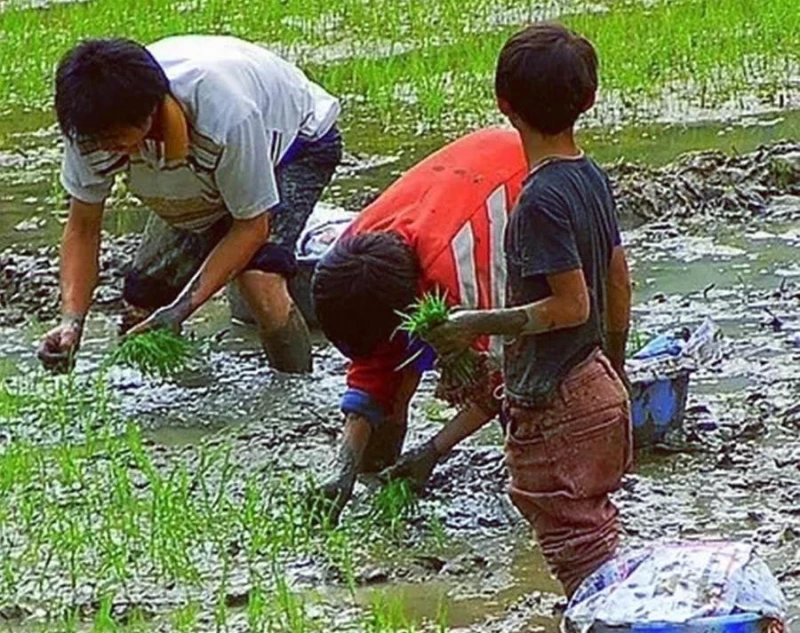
x,y
568,432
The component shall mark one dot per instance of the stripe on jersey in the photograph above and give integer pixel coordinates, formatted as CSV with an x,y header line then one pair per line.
x,y
497,210
463,247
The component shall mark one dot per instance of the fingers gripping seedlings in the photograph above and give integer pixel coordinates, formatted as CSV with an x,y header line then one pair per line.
x,y
422,317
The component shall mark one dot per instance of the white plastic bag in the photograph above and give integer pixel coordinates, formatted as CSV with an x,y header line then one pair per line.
x,y
324,226
676,584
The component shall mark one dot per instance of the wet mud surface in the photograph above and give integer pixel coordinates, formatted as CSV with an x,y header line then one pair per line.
x,y
708,236
700,188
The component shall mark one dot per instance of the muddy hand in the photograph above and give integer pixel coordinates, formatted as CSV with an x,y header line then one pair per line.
x,y
169,318
59,346
130,317
453,336
336,492
415,466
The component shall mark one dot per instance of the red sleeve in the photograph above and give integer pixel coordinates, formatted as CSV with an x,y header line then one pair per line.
x,y
377,374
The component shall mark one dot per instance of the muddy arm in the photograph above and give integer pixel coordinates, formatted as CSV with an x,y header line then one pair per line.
x,y
464,424
225,262
567,306
618,310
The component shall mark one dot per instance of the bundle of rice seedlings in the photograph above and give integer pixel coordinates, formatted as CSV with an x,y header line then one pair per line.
x,y
422,317
158,353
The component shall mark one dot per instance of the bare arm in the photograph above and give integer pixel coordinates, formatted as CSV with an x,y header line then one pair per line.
x,y
417,465
226,261
618,309
80,249
464,424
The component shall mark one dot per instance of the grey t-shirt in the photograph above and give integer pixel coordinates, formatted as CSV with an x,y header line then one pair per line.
x,y
564,220
244,107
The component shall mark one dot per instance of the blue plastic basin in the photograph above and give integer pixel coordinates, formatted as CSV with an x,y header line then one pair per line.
x,y
658,406
741,623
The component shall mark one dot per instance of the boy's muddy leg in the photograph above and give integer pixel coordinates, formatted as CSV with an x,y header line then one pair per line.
x,y
284,334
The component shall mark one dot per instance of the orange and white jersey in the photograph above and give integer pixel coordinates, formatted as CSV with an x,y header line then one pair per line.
x,y
452,209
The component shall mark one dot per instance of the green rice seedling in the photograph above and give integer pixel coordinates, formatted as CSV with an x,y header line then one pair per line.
x,y
386,614
420,65
437,532
221,607
158,353
338,549
104,620
69,620
394,504
425,314
12,401
422,317
289,608
184,619
257,614
442,617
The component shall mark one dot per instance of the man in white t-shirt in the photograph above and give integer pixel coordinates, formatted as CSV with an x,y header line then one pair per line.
x,y
228,144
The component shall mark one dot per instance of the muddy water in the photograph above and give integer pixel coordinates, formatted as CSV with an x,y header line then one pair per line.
x,y
734,472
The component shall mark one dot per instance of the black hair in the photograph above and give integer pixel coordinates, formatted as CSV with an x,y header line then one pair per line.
x,y
106,84
358,287
548,75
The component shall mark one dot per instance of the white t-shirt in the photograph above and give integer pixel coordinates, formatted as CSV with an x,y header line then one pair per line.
x,y
244,106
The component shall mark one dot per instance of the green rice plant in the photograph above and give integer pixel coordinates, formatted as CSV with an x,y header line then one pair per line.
x,y
442,617
386,614
288,609
339,548
430,62
421,318
425,314
221,607
12,401
157,353
437,532
184,619
394,504
104,620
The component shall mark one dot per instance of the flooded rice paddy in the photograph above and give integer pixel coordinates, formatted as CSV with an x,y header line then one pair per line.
x,y
233,447
181,505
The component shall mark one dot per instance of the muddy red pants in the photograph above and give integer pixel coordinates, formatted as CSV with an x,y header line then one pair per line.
x,y
564,461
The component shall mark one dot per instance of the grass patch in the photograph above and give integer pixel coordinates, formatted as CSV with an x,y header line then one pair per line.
x,y
91,513
430,63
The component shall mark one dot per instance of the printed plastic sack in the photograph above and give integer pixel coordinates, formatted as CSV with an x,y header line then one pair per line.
x,y
676,584
325,225
667,356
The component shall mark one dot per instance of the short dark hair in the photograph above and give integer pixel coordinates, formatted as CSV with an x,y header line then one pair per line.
x,y
105,84
548,75
358,287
